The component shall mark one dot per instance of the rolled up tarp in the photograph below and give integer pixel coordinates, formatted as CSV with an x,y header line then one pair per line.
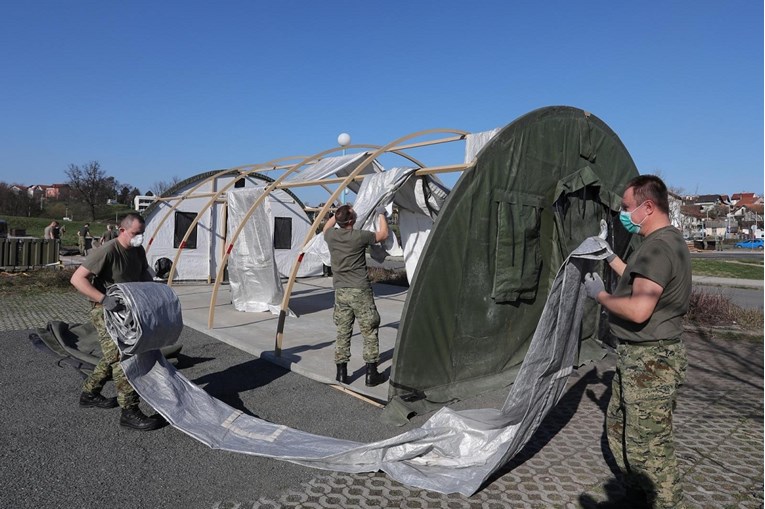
x,y
151,318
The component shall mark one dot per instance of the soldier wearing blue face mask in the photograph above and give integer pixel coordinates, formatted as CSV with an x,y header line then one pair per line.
x,y
120,261
626,220
646,314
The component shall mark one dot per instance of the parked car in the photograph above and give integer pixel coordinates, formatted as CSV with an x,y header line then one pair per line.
x,y
751,244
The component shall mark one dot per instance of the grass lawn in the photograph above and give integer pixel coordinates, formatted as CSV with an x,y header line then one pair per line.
x,y
739,268
35,227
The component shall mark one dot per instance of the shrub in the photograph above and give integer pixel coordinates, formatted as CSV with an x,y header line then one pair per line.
x,y
714,308
39,280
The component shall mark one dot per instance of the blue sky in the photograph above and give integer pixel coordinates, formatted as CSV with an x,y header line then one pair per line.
x,y
153,90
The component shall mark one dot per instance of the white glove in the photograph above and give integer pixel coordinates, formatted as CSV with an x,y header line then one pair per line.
x,y
593,285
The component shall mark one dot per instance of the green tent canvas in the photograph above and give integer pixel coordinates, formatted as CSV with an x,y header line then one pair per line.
x,y
538,189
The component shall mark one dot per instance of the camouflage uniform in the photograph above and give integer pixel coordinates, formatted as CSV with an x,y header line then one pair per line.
x,y
639,419
650,367
109,366
81,242
353,292
358,303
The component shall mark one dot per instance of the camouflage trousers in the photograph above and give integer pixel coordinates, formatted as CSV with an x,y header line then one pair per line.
x,y
639,419
109,366
81,245
358,303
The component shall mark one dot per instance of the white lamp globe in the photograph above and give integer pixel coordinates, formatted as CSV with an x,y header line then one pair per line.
x,y
344,139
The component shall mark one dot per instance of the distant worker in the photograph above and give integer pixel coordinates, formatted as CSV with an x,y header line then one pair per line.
x,y
109,234
50,231
719,242
353,291
82,233
646,315
122,261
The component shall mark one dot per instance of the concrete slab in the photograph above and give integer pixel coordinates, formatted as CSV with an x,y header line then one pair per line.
x,y
308,342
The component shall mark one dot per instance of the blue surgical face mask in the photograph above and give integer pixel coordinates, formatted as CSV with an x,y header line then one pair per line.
x,y
626,219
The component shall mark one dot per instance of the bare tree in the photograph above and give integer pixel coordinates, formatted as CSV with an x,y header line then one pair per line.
x,y
16,202
160,187
91,184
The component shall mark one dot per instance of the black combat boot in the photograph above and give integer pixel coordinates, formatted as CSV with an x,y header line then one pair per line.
x,y
135,419
91,399
342,373
373,377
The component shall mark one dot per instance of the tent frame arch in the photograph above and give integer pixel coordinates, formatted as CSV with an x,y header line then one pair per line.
x,y
277,184
278,340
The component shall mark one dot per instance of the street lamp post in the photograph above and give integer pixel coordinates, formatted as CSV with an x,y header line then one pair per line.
x,y
344,139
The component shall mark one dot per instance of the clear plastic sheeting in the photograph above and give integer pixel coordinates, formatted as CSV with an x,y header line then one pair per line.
x,y
419,199
475,142
318,248
379,191
252,272
419,202
453,452
342,166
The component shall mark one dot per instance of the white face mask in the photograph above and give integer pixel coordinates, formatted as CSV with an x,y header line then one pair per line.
x,y
137,240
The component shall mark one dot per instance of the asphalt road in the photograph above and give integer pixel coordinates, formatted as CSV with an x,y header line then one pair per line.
x,y
748,298
729,253
55,454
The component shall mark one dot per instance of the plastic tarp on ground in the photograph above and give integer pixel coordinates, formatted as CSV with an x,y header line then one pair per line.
x,y
252,272
452,452
539,187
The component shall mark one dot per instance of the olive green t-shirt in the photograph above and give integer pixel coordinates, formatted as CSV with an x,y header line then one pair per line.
x,y
112,263
348,254
663,258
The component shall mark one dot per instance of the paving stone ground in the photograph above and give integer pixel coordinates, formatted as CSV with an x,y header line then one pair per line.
x,y
719,430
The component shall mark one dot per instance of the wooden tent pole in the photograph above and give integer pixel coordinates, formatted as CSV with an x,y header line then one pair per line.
x,y
263,168
423,171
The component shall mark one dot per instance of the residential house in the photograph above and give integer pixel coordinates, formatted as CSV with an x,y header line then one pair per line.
x,y
741,199
675,210
141,202
692,221
57,192
36,191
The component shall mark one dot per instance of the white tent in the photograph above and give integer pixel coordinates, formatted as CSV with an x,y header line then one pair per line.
x,y
205,246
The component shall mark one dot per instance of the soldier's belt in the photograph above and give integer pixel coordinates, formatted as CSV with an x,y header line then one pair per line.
x,y
658,342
